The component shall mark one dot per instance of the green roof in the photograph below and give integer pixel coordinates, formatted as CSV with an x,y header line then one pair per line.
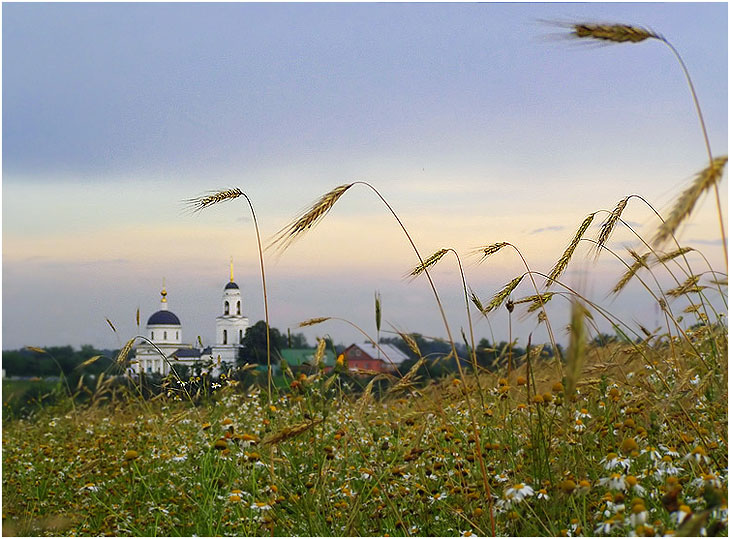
x,y
299,356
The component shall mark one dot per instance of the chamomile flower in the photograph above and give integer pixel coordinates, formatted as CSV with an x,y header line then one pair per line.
x,y
613,461
680,515
260,506
582,414
698,454
542,494
518,492
615,481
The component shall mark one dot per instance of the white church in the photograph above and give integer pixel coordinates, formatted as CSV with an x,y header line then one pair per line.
x,y
164,330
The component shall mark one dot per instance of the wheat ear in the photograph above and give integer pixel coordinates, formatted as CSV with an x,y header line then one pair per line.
x,y
685,203
212,197
616,33
309,218
503,294
430,261
609,224
562,263
639,262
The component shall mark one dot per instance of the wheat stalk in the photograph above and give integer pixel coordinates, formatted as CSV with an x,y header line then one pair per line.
x,y
503,294
310,217
690,285
489,250
430,261
616,33
576,347
672,255
562,263
609,224
290,432
212,197
313,321
685,203
639,262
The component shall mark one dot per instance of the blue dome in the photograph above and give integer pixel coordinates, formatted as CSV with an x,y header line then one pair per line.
x,y
231,285
163,318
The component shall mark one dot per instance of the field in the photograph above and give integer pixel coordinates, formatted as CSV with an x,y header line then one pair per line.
x,y
621,436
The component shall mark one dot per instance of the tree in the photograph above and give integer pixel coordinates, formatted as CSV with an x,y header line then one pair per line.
x,y
254,344
296,340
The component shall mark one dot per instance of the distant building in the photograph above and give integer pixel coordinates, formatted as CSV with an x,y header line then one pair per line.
x,y
367,356
302,359
167,349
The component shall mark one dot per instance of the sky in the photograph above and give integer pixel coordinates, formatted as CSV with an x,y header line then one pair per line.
x,y
478,123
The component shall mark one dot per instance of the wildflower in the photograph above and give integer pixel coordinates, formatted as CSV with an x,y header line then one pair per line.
x,y
521,381
90,487
628,446
612,462
501,477
220,444
538,399
130,455
633,484
438,496
698,454
604,528
615,481
707,479
179,458
579,426
465,533
542,494
583,486
558,387
260,506
567,486
639,514
681,515
582,414
518,492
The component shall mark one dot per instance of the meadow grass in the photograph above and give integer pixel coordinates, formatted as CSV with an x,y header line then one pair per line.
x,y
625,437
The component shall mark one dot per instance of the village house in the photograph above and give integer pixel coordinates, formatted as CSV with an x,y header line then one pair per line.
x,y
366,356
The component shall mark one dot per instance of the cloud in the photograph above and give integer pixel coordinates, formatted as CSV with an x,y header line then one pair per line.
x,y
716,241
547,229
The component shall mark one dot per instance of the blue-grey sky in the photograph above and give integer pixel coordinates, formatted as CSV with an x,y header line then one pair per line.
x,y
478,122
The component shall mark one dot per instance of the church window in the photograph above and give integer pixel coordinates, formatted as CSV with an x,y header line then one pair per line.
x,y
225,334
153,336
240,335
238,308
226,308
177,335
164,335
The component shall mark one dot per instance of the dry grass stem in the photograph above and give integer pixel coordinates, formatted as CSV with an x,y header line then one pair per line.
x,y
310,218
576,348
562,263
639,262
616,33
430,261
609,224
503,294
290,432
684,205
213,197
